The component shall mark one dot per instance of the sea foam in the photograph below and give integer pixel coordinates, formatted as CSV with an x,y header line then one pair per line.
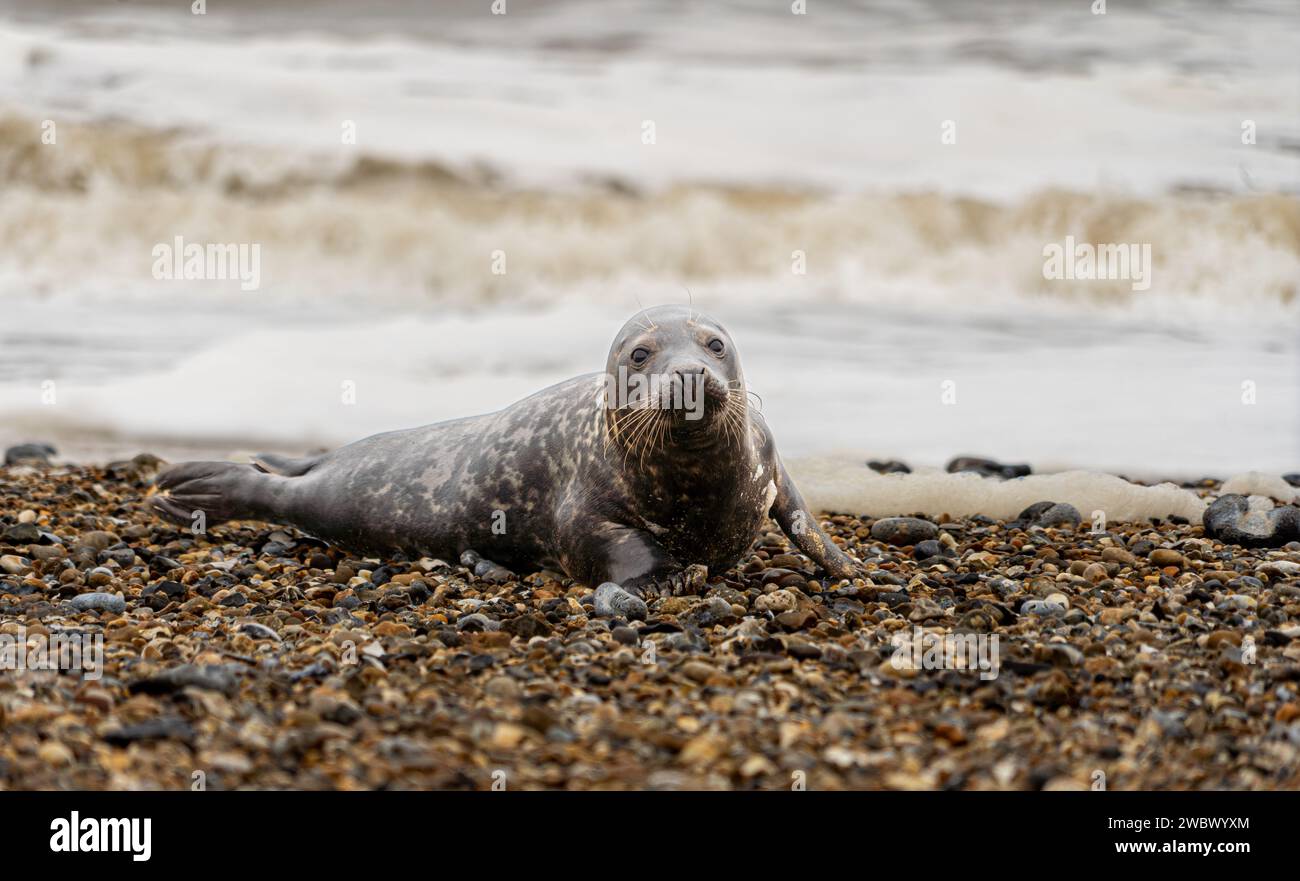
x,y
832,484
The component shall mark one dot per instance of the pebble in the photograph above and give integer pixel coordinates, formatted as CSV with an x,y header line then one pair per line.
x,y
987,467
625,635
924,550
1042,608
1051,514
613,601
258,631
903,530
356,673
711,611
1163,557
150,729
13,565
477,623
1095,572
99,577
55,754
925,610
29,454
776,601
97,540
1279,569
1232,520
99,601
1061,655
1118,555
21,534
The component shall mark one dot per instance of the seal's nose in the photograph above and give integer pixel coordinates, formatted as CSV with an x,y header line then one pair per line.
x,y
692,374
689,373
691,383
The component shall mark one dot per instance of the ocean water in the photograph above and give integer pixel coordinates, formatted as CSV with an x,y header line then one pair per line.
x,y
885,288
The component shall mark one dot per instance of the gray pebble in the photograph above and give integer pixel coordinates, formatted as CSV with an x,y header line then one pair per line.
x,y
1047,514
903,530
932,548
1231,520
612,600
1042,608
477,622
29,454
625,635
259,631
714,610
103,602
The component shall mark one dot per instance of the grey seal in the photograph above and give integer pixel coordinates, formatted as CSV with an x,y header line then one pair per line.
x,y
648,475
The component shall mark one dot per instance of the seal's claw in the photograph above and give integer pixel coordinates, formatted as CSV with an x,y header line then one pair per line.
x,y
848,567
690,580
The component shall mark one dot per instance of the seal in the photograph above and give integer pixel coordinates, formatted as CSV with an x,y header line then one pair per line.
x,y
648,475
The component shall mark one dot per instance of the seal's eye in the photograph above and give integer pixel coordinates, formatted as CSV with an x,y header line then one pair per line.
x,y
716,346
639,356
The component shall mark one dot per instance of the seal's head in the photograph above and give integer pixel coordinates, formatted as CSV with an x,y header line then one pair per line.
x,y
675,374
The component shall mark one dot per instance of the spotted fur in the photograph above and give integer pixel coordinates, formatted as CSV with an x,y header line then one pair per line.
x,y
561,479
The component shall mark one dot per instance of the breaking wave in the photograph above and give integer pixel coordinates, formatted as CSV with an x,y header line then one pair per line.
x,y
400,231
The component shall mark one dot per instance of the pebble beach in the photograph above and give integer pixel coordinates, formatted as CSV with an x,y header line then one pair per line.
x,y
1144,656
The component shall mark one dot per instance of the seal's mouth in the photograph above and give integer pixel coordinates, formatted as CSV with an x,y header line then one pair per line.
x,y
679,417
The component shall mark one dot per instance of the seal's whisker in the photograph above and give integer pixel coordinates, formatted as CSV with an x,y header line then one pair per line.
x,y
613,428
652,326
624,426
725,426
635,427
668,433
629,426
733,415
724,421
638,432
645,441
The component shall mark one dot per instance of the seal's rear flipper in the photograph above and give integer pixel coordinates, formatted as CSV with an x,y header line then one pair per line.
x,y
285,466
220,490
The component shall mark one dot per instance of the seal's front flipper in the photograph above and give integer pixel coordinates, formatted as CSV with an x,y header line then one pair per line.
x,y
801,527
486,569
633,559
690,580
285,466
